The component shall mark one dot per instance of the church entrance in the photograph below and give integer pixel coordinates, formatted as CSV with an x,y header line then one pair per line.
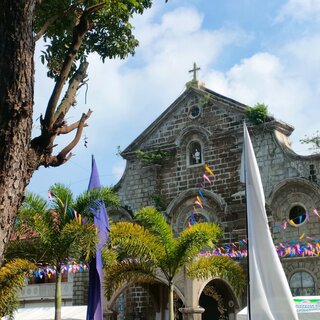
x,y
218,300
144,302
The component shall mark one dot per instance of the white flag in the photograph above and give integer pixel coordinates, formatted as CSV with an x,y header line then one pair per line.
x,y
270,296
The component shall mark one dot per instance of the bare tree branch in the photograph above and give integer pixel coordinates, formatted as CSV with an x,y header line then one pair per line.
x,y
45,27
68,129
69,97
65,154
79,32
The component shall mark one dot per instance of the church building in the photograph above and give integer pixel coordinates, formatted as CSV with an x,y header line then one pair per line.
x,y
166,168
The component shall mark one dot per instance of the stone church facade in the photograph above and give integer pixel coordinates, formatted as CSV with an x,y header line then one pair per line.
x,y
199,128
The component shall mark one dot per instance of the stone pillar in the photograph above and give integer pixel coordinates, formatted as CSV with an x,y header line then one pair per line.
x,y
190,313
192,310
109,315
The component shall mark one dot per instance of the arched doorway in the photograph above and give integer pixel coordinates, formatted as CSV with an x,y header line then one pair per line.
x,y
218,300
143,302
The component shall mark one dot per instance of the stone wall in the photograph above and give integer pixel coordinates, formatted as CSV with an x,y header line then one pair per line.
x,y
80,288
288,179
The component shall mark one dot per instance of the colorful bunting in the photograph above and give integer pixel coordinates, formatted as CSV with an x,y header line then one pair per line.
x,y
72,266
199,199
287,249
205,177
208,169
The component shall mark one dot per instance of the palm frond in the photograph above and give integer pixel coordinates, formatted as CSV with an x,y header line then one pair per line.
x,y
110,256
155,222
32,249
80,240
44,225
193,239
61,194
12,276
33,204
217,266
62,203
129,271
87,200
134,240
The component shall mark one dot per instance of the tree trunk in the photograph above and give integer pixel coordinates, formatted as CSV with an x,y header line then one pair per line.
x,y
16,103
58,296
171,310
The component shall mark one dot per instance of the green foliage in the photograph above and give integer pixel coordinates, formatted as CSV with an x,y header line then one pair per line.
x,y
159,203
12,276
88,200
109,28
258,114
130,240
60,235
204,267
32,249
157,157
58,232
143,247
314,140
192,240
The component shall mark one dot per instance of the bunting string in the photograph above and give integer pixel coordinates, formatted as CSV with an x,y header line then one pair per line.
x,y
199,198
293,248
49,271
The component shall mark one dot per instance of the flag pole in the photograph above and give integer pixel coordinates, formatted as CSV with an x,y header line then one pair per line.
x,y
247,228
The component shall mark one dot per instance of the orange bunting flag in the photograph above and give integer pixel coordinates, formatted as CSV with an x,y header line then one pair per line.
x,y
208,170
206,178
199,200
79,218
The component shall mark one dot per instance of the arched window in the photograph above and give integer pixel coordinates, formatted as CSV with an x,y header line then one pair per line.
x,y
195,217
302,284
195,153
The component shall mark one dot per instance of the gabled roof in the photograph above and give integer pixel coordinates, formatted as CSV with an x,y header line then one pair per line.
x,y
200,90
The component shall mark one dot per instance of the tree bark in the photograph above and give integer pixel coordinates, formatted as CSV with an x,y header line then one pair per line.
x,y
171,302
17,161
58,295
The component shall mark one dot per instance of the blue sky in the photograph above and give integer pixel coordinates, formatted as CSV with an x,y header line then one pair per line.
x,y
249,50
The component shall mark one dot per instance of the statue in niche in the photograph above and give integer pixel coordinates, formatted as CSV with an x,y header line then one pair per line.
x,y
195,153
197,156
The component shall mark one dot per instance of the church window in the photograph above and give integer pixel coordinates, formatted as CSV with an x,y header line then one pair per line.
x,y
194,112
194,218
302,284
297,215
195,153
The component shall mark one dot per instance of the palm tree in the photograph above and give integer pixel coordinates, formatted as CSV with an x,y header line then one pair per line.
x,y
138,250
62,229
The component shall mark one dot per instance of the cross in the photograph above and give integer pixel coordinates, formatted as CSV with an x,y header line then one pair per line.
x,y
194,70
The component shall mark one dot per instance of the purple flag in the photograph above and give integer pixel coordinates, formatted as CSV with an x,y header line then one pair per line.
x,y
95,307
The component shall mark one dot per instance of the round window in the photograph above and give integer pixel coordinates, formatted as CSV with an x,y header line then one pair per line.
x,y
194,112
297,215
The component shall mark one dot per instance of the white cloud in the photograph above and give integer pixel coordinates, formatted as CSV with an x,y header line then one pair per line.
x,y
127,89
302,56
127,95
299,10
269,79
